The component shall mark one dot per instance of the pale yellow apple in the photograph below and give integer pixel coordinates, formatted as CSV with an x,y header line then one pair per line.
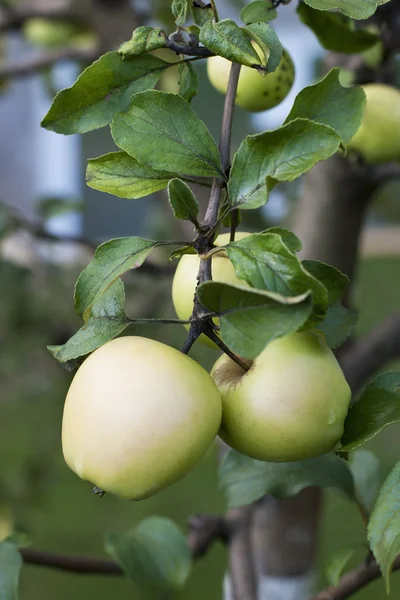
x,y
378,138
185,279
50,33
255,92
138,416
169,80
290,405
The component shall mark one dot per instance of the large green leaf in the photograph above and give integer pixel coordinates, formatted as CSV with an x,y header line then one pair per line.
x,y
107,320
384,524
336,32
162,131
230,41
378,407
119,174
329,103
101,91
245,480
250,319
111,260
266,263
357,9
155,557
10,567
283,154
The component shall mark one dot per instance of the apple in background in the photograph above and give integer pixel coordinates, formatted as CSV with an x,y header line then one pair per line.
x,y
255,92
378,137
138,416
169,80
290,405
185,279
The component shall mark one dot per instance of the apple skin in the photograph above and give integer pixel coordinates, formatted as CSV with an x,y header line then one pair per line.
x,y
138,416
255,92
185,280
378,137
289,406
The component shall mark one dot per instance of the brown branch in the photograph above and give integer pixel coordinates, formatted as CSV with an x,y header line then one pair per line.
x,y
203,531
353,581
366,355
23,68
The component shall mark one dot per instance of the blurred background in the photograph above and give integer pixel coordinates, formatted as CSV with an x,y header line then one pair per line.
x,y
49,223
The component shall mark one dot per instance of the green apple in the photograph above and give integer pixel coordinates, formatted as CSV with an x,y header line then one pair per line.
x,y
169,80
290,405
185,279
256,92
138,416
51,34
378,137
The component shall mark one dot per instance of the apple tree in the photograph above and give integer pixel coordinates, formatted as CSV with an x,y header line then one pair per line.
x,y
294,395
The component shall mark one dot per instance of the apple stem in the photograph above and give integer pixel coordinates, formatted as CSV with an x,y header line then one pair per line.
x,y
210,333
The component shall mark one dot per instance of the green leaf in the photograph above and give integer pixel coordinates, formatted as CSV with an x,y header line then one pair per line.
x,y
201,12
265,262
258,11
357,9
365,467
250,319
336,32
334,280
283,154
102,90
162,131
245,480
384,525
337,563
188,80
183,201
288,237
51,207
177,254
338,324
339,321
144,39
10,567
267,39
155,557
378,407
106,321
119,174
179,9
230,41
329,103
111,260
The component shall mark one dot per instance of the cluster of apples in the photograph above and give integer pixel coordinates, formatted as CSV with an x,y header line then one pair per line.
x,y
140,414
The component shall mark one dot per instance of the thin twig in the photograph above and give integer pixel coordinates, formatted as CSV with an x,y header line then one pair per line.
x,y
366,355
28,66
203,531
188,50
202,242
353,581
210,333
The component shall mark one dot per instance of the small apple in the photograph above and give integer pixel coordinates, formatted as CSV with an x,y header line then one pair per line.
x,y
138,416
290,405
185,279
256,92
378,137
169,80
45,32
